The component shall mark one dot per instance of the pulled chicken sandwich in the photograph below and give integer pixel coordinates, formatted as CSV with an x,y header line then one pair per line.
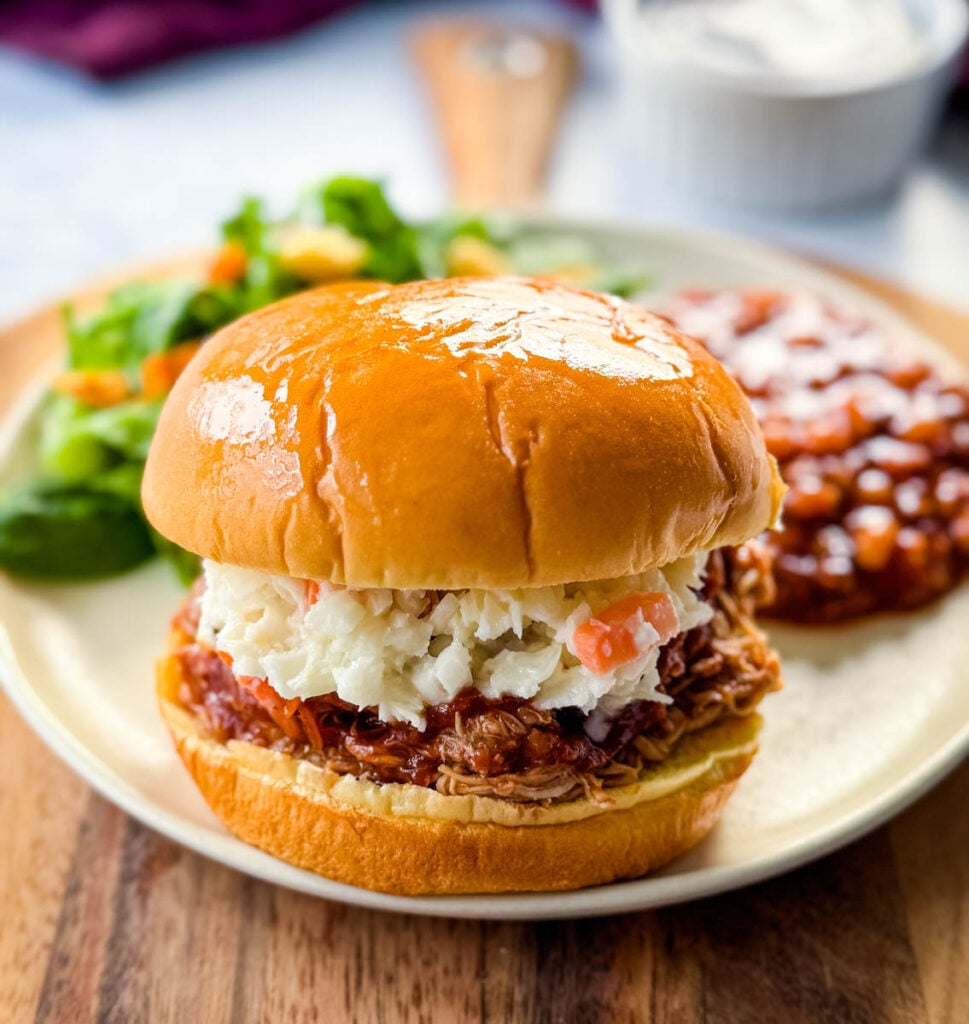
x,y
477,592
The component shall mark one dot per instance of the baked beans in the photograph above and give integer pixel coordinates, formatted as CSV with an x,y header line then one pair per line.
x,y
873,444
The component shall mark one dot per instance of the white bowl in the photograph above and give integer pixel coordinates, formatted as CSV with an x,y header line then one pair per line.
x,y
776,142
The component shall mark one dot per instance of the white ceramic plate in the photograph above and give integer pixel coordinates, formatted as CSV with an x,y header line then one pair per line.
x,y
871,715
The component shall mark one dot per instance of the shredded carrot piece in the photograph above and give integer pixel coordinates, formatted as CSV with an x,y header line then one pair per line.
x,y
155,376
273,703
310,726
98,388
311,595
608,639
160,370
229,264
292,706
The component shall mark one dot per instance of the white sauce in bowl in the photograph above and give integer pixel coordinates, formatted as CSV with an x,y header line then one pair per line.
x,y
793,39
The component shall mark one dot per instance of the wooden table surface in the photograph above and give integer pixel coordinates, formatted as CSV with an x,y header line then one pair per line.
x,y
103,920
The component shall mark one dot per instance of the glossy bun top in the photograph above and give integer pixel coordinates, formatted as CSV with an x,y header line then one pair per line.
x,y
471,432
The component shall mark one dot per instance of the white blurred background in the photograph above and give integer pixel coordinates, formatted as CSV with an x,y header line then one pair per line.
x,y
95,174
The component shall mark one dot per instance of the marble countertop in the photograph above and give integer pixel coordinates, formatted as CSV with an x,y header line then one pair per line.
x,y
96,175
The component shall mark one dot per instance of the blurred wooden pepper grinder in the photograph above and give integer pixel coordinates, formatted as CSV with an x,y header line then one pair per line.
x,y
498,93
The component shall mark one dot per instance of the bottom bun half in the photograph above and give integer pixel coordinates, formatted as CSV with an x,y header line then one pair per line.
x,y
411,840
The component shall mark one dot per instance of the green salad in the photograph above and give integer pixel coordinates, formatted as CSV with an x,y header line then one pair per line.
x,y
78,514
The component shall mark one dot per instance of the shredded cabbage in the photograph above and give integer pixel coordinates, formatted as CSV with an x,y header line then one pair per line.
x,y
403,650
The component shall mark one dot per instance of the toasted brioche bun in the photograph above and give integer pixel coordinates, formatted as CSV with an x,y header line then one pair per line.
x,y
458,433
411,840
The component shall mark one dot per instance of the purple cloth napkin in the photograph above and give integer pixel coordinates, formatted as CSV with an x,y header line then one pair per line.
x,y
109,38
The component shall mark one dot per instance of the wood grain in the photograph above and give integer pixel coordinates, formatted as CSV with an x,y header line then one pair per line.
x,y
147,931
931,848
102,920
